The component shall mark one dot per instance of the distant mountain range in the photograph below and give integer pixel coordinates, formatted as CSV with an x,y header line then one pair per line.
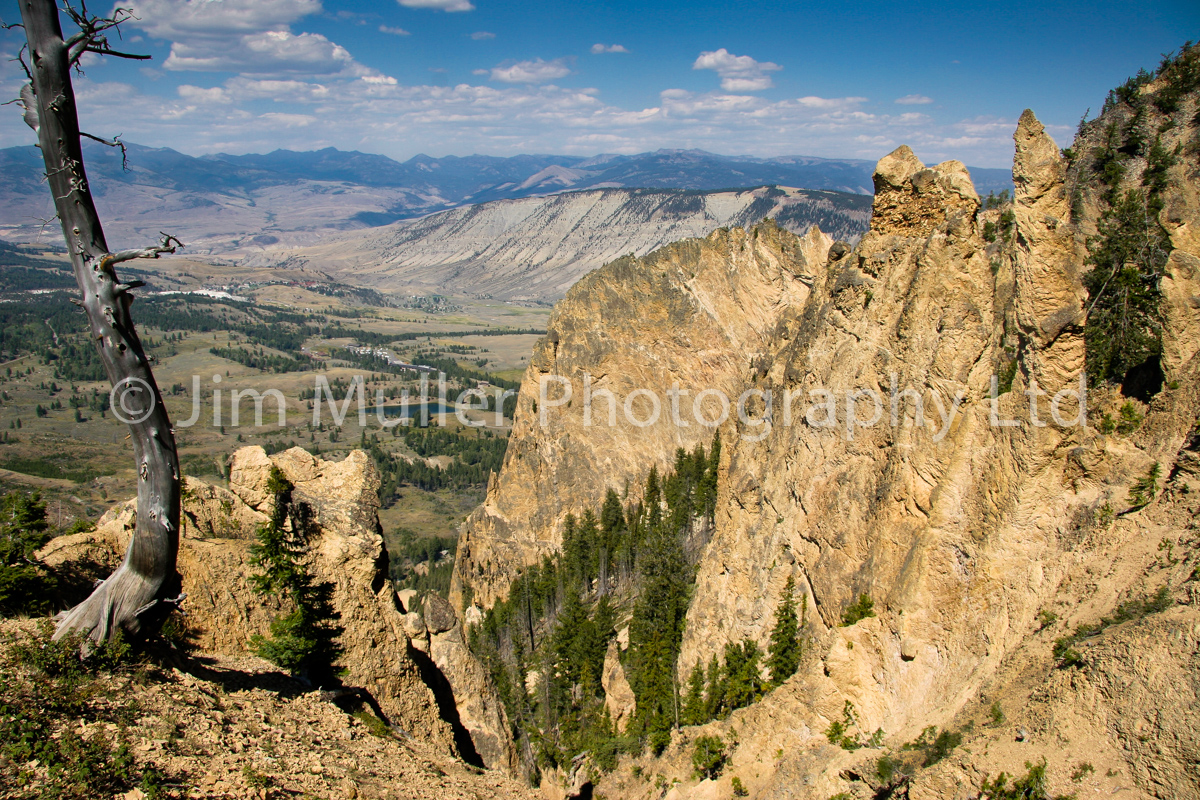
x,y
237,204
535,248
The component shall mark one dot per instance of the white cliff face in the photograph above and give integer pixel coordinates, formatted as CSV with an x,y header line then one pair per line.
x,y
537,248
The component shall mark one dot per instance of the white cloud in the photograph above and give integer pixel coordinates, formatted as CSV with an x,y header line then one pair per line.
x,y
343,105
439,5
481,35
266,53
196,94
536,71
289,120
393,31
251,37
738,73
608,48
830,102
176,19
278,91
914,100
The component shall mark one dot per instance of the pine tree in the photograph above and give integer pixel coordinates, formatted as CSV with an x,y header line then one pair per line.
x,y
656,627
612,529
784,649
653,501
303,640
589,549
25,586
706,491
1128,258
695,711
743,683
715,696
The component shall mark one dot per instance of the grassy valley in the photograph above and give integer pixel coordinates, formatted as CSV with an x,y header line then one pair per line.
x,y
229,331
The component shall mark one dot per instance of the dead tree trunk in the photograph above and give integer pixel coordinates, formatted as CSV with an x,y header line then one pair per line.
x,y
136,596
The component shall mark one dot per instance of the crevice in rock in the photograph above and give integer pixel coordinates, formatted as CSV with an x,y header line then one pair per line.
x,y
443,694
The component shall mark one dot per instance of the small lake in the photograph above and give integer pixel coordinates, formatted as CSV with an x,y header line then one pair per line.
x,y
414,410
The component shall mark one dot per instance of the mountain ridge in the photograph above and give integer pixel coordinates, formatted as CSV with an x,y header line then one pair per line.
x,y
535,248
424,184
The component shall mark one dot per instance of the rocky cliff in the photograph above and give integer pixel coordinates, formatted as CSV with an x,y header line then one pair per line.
x,y
693,314
386,642
981,530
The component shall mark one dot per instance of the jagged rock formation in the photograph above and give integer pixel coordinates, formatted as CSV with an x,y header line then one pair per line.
x,y
1049,268
694,314
618,695
962,529
536,248
223,613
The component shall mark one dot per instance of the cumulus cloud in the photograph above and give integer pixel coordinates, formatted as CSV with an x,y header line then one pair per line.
x,y
251,37
196,94
266,53
830,102
608,48
178,19
393,31
536,71
914,100
481,35
439,5
738,73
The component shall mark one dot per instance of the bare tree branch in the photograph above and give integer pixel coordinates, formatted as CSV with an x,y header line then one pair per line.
x,y
90,38
168,245
113,142
20,59
103,49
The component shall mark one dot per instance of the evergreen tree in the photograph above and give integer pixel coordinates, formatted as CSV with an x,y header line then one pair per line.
x,y
656,627
784,649
574,556
590,546
695,711
612,529
743,681
26,587
652,503
706,491
303,640
715,697
1128,258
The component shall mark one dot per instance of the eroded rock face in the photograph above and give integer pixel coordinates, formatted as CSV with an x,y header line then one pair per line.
x,y
1050,261
911,200
961,529
693,314
618,694
223,613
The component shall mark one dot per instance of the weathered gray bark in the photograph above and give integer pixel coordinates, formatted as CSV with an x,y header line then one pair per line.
x,y
136,596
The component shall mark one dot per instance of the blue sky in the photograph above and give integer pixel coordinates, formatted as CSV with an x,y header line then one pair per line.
x,y
455,77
